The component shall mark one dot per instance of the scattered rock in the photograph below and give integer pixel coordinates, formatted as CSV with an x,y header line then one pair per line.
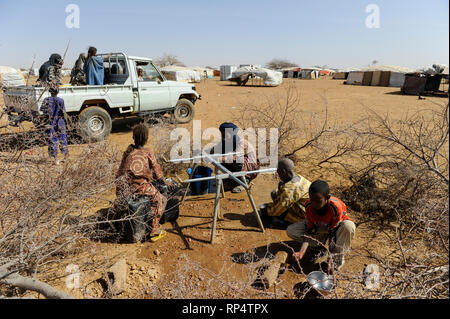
x,y
117,276
157,252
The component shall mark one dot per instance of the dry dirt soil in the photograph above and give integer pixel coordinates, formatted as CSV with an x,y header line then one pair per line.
x,y
237,230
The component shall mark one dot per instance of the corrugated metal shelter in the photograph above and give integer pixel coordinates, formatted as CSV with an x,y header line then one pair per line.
x,y
414,84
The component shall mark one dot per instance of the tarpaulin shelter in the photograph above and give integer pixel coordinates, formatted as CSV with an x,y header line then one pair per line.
x,y
182,74
10,77
270,77
326,72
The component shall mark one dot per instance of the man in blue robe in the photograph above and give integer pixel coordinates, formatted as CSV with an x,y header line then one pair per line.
x,y
55,112
93,68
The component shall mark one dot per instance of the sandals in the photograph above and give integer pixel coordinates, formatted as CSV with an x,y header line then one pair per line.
x,y
157,237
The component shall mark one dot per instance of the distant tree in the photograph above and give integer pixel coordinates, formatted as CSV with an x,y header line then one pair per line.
x,y
277,64
167,60
374,62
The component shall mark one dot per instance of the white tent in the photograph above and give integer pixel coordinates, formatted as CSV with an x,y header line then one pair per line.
x,y
270,77
204,72
10,77
391,68
182,74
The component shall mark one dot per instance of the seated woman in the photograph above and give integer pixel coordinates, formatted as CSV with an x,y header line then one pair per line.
x,y
138,172
247,161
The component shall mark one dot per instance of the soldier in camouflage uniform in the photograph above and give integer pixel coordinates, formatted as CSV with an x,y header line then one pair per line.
x,y
50,71
290,197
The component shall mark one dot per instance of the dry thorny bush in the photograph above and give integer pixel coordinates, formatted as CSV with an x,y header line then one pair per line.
x,y
43,207
398,171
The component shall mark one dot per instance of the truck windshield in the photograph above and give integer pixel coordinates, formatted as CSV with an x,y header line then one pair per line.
x,y
148,72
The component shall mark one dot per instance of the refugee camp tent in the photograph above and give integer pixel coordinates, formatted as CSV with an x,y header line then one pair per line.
x,y
325,72
291,73
270,77
355,77
226,71
387,75
384,78
204,72
396,79
182,74
376,76
309,73
367,78
340,75
10,77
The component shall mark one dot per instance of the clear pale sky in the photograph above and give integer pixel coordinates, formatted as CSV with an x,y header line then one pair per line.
x,y
210,32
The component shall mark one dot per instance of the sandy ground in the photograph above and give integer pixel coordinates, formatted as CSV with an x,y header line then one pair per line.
x,y
237,230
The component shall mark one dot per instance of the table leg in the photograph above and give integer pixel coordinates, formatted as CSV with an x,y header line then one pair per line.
x,y
189,184
252,202
216,209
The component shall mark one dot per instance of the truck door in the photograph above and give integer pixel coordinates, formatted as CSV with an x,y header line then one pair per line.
x,y
154,93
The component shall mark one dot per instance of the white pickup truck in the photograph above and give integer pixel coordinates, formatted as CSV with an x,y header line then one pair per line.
x,y
123,94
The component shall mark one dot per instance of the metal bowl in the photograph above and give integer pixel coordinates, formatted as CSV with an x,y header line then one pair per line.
x,y
321,281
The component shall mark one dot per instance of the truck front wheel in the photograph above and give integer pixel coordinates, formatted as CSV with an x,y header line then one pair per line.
x,y
184,111
95,124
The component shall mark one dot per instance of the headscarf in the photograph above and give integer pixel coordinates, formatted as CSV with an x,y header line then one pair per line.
x,y
233,129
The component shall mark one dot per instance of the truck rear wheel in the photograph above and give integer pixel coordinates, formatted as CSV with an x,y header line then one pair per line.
x,y
95,124
184,111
